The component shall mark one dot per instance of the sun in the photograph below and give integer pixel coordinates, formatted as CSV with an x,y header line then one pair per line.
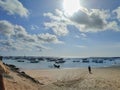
x,y
71,6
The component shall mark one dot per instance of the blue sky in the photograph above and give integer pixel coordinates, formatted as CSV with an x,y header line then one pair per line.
x,y
55,28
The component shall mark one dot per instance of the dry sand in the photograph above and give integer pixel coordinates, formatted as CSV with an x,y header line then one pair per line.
x,y
66,79
17,82
78,79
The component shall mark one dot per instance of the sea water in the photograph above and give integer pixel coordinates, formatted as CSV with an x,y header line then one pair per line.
x,y
69,63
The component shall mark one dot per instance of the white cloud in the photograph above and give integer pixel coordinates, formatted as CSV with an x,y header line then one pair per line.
x,y
14,7
34,27
6,28
93,21
85,20
113,25
81,36
117,12
58,23
15,37
58,28
48,38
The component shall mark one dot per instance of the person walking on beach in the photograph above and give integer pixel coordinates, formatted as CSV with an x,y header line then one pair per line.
x,y
89,69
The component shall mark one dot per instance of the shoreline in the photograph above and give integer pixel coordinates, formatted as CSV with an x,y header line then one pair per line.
x,y
112,66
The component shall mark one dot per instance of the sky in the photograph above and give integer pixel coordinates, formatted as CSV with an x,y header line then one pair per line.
x,y
62,28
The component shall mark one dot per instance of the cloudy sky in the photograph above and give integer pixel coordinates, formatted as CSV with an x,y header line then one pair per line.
x,y
71,28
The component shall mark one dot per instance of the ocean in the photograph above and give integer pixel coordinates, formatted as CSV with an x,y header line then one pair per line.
x,y
48,63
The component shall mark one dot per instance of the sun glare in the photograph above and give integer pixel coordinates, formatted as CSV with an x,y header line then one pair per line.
x,y
71,6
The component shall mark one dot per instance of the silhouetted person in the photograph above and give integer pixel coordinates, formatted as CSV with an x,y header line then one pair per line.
x,y
89,69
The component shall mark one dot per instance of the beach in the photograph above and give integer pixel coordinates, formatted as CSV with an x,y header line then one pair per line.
x,y
107,78
104,78
72,74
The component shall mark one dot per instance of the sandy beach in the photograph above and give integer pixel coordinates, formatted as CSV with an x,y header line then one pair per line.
x,y
104,78
78,79
64,79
